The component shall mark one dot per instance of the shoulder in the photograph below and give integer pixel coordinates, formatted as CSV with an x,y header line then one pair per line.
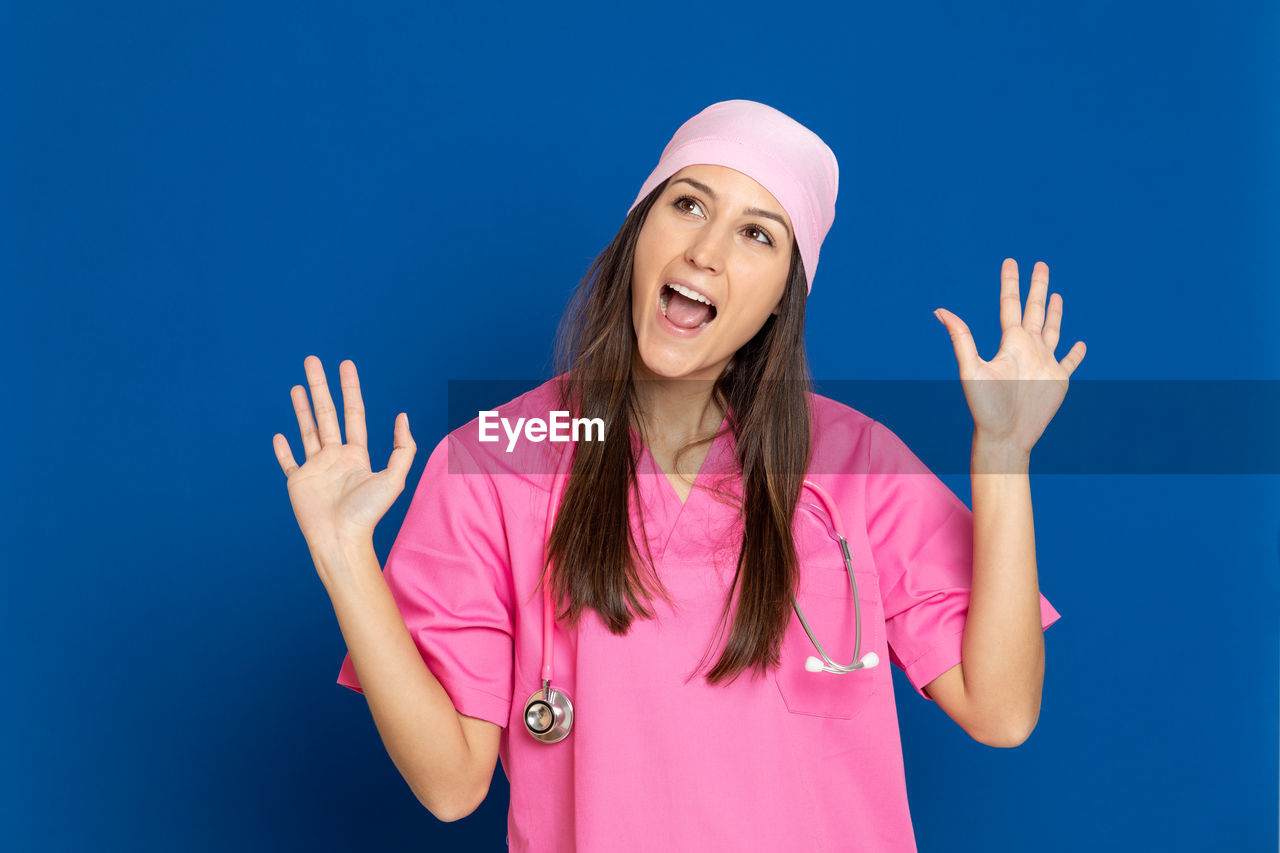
x,y
833,417
848,441
500,441
841,436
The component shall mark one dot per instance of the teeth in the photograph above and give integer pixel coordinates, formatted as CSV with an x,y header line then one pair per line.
x,y
692,294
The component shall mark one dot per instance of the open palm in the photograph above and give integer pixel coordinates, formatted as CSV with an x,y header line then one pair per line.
x,y
336,494
1016,411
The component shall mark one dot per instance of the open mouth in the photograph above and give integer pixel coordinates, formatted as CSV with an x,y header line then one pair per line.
x,y
685,307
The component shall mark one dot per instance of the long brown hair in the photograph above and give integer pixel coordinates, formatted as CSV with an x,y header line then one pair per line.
x,y
764,390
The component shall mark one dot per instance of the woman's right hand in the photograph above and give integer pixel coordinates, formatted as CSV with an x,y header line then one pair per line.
x,y
336,496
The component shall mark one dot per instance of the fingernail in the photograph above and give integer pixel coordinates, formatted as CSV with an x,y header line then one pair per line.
x,y
939,316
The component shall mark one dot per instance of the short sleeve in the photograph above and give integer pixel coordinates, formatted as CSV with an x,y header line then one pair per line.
x,y
449,573
921,538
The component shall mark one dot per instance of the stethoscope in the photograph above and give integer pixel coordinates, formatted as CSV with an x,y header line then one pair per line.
x,y
548,714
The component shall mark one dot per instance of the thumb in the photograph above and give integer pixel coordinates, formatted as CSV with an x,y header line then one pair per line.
x,y
404,448
961,340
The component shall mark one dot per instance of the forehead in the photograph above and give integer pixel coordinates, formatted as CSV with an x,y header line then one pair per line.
x,y
726,181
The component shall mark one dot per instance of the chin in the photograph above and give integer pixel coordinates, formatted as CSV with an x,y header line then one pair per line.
x,y
671,358
673,368
664,369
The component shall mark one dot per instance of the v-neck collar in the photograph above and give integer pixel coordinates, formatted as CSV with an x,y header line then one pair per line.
x,y
665,513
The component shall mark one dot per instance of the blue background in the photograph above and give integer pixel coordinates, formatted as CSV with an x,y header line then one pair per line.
x,y
195,197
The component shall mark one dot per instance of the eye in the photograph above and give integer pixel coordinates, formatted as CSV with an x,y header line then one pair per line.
x,y
680,205
767,238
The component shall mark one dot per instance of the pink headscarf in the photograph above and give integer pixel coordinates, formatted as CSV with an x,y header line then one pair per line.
x,y
779,153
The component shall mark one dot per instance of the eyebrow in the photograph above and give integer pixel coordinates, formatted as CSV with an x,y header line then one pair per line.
x,y
749,211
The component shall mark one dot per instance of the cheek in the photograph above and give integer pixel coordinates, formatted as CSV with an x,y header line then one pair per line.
x,y
639,294
743,326
641,272
751,320
649,237
768,292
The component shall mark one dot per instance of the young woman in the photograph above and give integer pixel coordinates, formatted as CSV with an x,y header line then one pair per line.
x,y
671,631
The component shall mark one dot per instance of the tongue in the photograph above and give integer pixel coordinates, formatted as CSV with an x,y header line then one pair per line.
x,y
685,312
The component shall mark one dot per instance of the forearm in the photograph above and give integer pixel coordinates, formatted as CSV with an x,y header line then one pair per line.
x,y
414,715
1003,644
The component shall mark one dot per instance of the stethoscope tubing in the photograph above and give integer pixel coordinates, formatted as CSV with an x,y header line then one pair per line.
x,y
556,707
548,613
835,529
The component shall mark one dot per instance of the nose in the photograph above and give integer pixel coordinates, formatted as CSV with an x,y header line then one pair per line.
x,y
707,249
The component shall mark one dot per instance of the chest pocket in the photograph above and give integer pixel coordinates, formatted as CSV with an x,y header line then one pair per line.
x,y
826,598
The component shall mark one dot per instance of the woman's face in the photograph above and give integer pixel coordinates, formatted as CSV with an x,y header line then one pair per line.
x,y
716,232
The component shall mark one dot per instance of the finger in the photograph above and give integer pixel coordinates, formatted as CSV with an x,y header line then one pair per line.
x,y
306,426
1010,300
1033,317
1073,358
1052,322
402,454
966,353
326,414
284,455
352,404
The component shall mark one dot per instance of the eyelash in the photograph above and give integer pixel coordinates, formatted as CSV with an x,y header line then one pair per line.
x,y
684,198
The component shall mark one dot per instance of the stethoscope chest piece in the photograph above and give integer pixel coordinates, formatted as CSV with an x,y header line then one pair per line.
x,y
548,715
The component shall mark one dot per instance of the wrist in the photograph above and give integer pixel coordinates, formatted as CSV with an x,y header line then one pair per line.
x,y
998,456
341,554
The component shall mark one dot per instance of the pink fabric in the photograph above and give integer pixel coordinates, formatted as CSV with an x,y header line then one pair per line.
x,y
782,155
792,760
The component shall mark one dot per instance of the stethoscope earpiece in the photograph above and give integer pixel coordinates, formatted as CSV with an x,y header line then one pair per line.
x,y
814,664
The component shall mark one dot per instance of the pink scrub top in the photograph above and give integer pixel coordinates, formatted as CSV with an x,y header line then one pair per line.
x,y
658,758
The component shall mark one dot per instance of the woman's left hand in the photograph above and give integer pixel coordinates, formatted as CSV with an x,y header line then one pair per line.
x,y
1013,414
